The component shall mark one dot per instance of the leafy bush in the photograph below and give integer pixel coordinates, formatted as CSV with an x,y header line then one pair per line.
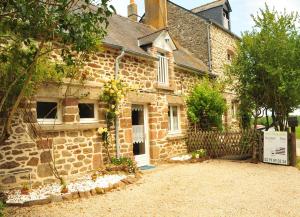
x,y
206,104
124,161
199,153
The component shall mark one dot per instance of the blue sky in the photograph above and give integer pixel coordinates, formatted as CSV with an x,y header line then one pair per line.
x,y
241,9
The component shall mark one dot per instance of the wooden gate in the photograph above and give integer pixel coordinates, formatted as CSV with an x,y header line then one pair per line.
x,y
226,144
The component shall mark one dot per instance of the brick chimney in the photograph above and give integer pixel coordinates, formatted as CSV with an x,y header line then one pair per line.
x,y
132,11
156,13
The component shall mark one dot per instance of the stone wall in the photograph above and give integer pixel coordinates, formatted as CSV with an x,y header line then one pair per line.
x,y
222,44
189,30
76,147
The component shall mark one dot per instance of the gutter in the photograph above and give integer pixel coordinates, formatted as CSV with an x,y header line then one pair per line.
x,y
209,46
130,51
117,67
184,67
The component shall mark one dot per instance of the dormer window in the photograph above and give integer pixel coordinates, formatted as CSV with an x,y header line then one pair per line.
x,y
163,70
226,20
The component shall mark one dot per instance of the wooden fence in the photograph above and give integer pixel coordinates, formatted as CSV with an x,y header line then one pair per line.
x,y
222,144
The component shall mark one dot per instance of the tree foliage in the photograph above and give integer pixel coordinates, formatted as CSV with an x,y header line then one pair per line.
x,y
267,67
206,104
31,31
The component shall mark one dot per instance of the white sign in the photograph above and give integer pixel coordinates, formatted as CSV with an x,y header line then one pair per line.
x,y
275,147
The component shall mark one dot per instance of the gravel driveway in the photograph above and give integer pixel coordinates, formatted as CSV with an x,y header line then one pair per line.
x,y
212,188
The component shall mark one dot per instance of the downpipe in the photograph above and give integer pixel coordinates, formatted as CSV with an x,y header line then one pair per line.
x,y
117,126
209,46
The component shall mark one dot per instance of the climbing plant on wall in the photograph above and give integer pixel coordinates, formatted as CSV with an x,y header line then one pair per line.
x,y
113,94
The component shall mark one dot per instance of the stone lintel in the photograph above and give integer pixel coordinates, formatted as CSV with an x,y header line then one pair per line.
x,y
140,98
178,100
69,127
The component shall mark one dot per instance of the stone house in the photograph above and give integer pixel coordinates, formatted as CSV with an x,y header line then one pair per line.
x,y
163,56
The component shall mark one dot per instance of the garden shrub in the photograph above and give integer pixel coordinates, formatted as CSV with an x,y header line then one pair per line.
x,y
206,104
126,162
199,153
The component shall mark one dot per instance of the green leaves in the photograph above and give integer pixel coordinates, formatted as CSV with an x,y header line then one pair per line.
x,y
32,31
267,64
206,102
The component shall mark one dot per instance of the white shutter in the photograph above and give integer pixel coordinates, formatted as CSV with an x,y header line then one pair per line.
x,y
163,68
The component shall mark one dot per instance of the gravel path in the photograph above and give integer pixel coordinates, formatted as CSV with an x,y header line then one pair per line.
x,y
212,188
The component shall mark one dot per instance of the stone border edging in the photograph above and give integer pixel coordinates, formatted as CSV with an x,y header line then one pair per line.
x,y
76,195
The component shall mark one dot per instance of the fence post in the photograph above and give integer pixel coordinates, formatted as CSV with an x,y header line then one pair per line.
x,y
293,146
293,123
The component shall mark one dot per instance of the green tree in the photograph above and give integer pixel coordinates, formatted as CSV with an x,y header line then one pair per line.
x,y
267,67
206,104
31,31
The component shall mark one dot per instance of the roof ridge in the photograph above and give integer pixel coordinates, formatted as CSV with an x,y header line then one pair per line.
x,y
209,3
160,30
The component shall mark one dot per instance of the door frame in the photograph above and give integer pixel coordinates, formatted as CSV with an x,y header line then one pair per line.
x,y
144,159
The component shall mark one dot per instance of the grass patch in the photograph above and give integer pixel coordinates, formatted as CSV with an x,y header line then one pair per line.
x,y
298,132
298,163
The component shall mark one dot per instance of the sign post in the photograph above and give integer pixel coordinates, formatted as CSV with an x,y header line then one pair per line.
x,y
275,147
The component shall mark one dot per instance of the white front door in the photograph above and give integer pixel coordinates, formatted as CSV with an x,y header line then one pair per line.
x,y
140,135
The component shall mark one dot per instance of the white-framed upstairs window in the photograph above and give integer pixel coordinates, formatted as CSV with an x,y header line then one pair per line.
x,y
163,70
48,111
88,112
226,19
174,120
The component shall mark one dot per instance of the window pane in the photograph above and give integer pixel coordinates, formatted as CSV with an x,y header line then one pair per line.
x,y
175,118
46,110
86,110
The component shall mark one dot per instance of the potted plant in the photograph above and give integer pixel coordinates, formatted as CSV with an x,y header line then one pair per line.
x,y
25,189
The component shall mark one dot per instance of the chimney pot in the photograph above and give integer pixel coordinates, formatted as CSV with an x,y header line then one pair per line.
x,y
132,11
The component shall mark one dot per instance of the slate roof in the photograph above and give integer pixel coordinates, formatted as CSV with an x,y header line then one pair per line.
x,y
124,33
210,5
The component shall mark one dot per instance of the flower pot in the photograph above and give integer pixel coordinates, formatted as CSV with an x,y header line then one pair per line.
x,y
25,191
64,190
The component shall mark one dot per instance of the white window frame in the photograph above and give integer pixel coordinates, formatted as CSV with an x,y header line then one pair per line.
x,y
172,131
45,121
89,120
163,69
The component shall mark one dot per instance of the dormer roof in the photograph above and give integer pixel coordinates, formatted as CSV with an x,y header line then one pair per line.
x,y
160,39
211,5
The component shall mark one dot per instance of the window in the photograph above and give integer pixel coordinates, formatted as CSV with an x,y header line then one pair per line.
x,y
234,106
226,19
87,112
173,114
163,69
230,55
48,112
